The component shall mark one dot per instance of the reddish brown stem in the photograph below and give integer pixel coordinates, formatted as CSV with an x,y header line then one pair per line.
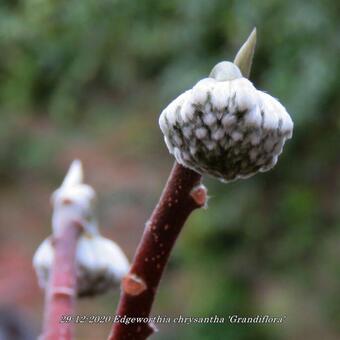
x,y
182,194
62,290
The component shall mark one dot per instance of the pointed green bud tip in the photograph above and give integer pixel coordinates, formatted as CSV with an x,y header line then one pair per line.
x,y
225,70
244,56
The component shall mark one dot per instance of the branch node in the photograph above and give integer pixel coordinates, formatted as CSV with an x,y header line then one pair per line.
x,y
133,285
199,195
66,291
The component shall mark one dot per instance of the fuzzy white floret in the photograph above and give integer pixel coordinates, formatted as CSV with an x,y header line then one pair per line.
x,y
217,134
289,134
201,133
255,138
170,114
253,154
287,123
186,156
177,140
274,111
209,118
188,109
211,145
201,89
174,107
236,135
168,144
162,124
269,144
219,95
187,131
278,147
253,117
193,149
271,117
178,155
228,120
246,96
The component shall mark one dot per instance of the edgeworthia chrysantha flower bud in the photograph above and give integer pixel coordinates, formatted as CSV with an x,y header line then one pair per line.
x,y
224,126
74,198
101,264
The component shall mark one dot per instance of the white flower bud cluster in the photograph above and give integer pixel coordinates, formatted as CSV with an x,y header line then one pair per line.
x,y
74,199
225,127
101,264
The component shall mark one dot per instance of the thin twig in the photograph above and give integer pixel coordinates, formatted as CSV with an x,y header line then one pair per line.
x,y
182,194
62,290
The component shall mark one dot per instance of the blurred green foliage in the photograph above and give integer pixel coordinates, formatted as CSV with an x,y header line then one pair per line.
x,y
75,70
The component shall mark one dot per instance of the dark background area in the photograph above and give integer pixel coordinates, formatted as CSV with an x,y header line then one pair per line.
x,y
88,79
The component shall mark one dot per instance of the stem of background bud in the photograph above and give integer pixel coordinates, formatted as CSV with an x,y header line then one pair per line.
x,y
62,289
182,194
